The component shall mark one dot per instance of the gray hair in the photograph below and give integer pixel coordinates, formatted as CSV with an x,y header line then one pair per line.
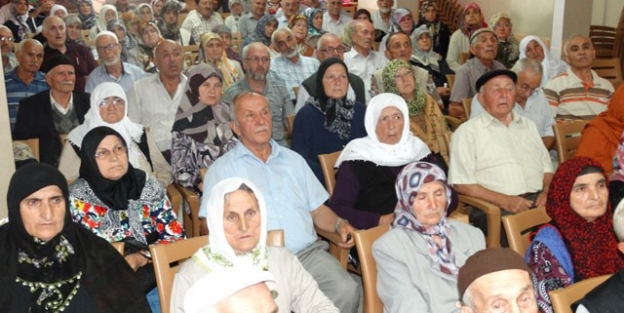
x,y
35,42
49,18
5,28
566,46
466,298
107,33
319,43
237,100
281,29
530,65
245,51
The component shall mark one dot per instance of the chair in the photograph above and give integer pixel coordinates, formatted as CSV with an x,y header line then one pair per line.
x,y
453,122
567,138
364,240
191,219
609,69
493,216
191,53
562,299
450,79
603,39
342,255
237,42
33,144
519,226
463,57
167,258
181,18
467,104
175,198
119,246
329,172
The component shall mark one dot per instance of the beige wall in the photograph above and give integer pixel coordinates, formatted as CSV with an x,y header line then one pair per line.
x,y
607,12
7,165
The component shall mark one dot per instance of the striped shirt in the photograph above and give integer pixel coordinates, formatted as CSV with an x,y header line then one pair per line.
x,y
570,96
17,90
293,74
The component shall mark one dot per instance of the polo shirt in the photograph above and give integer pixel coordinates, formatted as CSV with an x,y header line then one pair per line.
x,y
569,96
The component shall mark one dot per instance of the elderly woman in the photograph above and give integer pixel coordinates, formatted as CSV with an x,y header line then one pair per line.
x,y
73,28
579,242
426,58
87,14
460,40
157,6
17,20
439,32
426,119
201,132
532,47
214,54
329,121
315,21
402,21
58,10
58,266
144,12
226,38
109,108
126,41
168,24
367,167
237,219
132,22
508,51
107,13
419,258
299,26
144,52
263,32
119,203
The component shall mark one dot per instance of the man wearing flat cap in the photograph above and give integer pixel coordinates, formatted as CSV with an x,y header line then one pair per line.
x,y
496,279
53,112
499,156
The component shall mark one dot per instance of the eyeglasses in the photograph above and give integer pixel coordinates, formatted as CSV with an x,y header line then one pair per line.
x,y
107,47
257,59
105,154
7,38
116,101
330,50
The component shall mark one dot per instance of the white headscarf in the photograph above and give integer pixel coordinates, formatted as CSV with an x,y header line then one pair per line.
x,y
57,7
550,65
101,21
130,131
218,254
408,149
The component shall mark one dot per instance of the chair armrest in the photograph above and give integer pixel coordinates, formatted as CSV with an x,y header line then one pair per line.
x,y
191,221
493,215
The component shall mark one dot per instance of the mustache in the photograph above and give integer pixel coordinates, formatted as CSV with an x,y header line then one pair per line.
x,y
261,129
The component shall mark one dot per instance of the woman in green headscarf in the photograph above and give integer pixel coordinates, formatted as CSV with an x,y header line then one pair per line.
x,y
426,119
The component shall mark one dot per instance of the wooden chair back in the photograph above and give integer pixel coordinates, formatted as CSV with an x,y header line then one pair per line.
x,y
463,57
364,240
191,52
562,299
33,144
450,79
603,39
181,18
492,215
519,226
329,172
467,105
567,138
609,69
167,259
120,246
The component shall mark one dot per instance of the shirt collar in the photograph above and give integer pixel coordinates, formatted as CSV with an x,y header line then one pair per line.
x,y
59,107
242,151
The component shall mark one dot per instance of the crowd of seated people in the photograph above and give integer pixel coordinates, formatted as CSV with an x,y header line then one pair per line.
x,y
123,111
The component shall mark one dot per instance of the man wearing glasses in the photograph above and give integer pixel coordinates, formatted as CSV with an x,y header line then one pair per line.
x,y
9,61
112,69
334,20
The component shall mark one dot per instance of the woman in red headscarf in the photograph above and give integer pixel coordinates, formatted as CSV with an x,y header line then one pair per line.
x,y
460,40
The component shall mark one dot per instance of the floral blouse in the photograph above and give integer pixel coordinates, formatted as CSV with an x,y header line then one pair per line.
x,y
549,272
151,213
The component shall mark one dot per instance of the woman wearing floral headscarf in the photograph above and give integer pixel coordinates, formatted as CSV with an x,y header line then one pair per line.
x,y
87,14
439,32
299,26
419,258
201,132
232,203
213,53
508,51
263,32
402,21
426,58
579,242
315,21
17,20
426,120
460,40
107,13
168,24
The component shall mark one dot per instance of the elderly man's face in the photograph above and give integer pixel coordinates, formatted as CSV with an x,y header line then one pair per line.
x,y
334,7
254,121
108,50
580,52
286,44
61,78
498,96
290,7
30,56
363,35
485,46
43,213
527,83
331,47
6,41
204,7
257,63
399,47
54,31
385,5
258,7
169,59
503,291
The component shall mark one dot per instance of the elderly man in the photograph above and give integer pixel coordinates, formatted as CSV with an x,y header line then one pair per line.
x,y
247,23
579,92
330,46
291,67
201,20
55,34
484,46
26,79
294,197
530,100
9,61
289,9
112,68
496,277
53,112
499,156
362,60
382,18
154,100
256,63
334,19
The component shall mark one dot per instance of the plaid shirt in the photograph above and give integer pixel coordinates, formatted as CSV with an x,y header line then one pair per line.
x,y
197,25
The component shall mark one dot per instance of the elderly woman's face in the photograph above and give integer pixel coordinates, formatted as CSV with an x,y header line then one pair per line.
x,y
112,109
241,221
589,196
213,49
270,28
473,17
109,15
226,40
119,31
502,28
145,14
157,7
430,203
406,23
73,31
535,51
43,212
210,91
85,8
150,36
431,14
424,42
317,21
300,29
60,13
21,7
405,82
336,81
111,157
390,125
171,17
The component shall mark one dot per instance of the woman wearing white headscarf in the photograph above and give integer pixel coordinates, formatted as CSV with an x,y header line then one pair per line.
x,y
237,219
102,20
58,10
109,107
532,47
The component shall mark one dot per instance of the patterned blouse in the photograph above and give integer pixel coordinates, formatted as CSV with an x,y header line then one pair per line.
x,y
151,212
549,272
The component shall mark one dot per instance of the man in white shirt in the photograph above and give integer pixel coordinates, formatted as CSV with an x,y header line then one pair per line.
x,y
291,67
153,101
247,23
236,11
201,20
335,20
288,10
382,18
362,60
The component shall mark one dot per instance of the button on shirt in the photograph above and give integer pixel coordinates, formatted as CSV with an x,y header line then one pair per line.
x,y
364,66
129,74
289,187
293,74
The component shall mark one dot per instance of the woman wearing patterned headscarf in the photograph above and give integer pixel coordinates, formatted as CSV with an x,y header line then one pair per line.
x,y
299,25
201,132
402,21
579,242
460,40
87,14
263,32
426,58
144,52
107,13
419,258
439,32
327,122
508,51
229,202
426,120
168,24
17,20
73,27
212,52
226,37
315,21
